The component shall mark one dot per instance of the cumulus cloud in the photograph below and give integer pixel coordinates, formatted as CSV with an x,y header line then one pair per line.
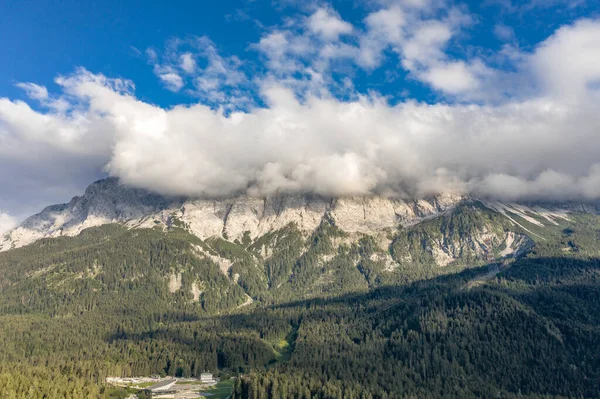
x,y
452,78
520,150
567,63
540,145
328,24
219,82
35,92
504,32
188,63
47,156
419,33
171,79
168,75
7,223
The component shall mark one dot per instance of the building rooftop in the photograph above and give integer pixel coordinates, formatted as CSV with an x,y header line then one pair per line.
x,y
162,384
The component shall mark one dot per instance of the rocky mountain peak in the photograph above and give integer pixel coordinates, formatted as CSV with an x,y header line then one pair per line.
x,y
109,201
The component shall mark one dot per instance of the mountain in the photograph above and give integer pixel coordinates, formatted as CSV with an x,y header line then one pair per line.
x,y
262,243
103,202
244,236
303,296
107,201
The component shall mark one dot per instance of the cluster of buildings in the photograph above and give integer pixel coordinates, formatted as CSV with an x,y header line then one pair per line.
x,y
166,387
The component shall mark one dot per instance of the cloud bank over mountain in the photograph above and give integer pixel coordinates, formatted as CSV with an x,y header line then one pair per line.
x,y
528,131
7,222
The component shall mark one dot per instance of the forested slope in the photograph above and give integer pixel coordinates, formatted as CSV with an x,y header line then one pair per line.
x,y
331,318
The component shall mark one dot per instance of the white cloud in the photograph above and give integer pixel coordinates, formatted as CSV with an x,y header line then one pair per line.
x,y
177,68
171,80
453,78
523,149
221,72
34,91
328,24
47,157
168,74
566,64
152,55
40,94
504,32
317,46
383,27
284,51
7,223
336,148
425,45
541,143
419,33
188,64
297,60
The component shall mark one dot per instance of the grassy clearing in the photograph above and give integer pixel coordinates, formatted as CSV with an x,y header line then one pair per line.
x,y
284,348
221,390
142,385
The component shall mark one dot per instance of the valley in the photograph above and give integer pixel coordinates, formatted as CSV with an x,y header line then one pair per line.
x,y
283,199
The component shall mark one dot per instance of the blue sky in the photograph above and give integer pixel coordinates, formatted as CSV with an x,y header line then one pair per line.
x,y
493,98
43,39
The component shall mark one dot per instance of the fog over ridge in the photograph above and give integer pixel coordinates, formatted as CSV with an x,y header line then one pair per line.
x,y
540,142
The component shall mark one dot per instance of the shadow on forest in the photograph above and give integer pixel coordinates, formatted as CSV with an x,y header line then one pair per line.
x,y
249,320
537,298
538,320
529,275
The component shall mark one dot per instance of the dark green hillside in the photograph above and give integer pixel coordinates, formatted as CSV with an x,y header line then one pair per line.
x,y
515,336
331,262
101,304
110,265
334,315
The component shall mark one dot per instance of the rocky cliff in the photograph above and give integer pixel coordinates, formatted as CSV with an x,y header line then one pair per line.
x,y
108,201
441,230
309,245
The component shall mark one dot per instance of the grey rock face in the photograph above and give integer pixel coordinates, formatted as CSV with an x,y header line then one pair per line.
x,y
105,201
108,201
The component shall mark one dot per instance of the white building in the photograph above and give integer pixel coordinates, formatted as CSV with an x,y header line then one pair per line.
x,y
207,378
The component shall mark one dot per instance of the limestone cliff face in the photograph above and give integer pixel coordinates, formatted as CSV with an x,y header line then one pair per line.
x,y
107,201
257,216
484,245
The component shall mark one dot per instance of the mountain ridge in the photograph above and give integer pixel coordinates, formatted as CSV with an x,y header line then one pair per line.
x,y
108,201
245,224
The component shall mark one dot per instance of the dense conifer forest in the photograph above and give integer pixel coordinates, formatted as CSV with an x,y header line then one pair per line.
x,y
121,302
